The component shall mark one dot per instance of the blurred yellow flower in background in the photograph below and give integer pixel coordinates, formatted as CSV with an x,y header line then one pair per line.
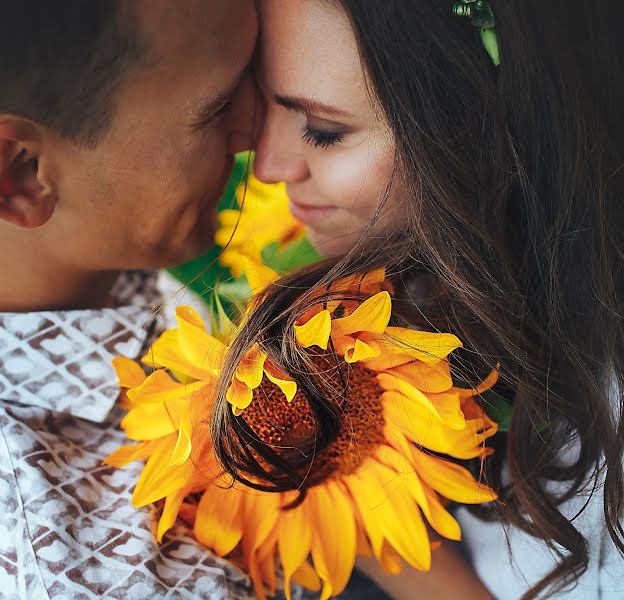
x,y
262,219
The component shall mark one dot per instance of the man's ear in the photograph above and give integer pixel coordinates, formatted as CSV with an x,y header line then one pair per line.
x,y
25,200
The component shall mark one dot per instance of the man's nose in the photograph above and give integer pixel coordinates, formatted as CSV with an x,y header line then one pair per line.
x,y
246,117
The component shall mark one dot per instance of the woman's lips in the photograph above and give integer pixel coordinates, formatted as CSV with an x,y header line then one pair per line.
x,y
309,213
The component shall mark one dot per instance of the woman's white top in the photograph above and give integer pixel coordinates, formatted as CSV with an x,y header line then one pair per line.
x,y
509,561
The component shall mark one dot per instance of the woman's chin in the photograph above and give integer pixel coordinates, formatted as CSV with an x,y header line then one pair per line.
x,y
331,245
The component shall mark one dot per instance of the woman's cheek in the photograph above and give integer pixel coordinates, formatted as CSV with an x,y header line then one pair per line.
x,y
349,181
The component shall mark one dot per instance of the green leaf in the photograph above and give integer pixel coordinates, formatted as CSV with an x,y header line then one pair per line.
x,y
222,325
497,408
293,256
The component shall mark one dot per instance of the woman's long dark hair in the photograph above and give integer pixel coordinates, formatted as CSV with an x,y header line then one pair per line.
x,y
515,181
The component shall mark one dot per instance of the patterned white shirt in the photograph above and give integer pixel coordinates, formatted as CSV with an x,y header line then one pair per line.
x,y
67,527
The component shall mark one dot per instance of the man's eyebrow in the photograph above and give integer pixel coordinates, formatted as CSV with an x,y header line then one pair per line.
x,y
309,106
203,110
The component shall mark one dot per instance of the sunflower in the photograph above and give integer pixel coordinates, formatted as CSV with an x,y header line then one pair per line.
x,y
262,219
391,467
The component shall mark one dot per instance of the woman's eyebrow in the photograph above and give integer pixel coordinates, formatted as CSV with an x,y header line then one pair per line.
x,y
309,106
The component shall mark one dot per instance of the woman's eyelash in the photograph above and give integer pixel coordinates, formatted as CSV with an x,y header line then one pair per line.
x,y
321,139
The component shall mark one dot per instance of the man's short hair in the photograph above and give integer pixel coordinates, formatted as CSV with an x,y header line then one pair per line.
x,y
61,62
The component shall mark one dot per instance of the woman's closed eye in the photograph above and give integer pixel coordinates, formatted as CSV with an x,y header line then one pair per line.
x,y
319,138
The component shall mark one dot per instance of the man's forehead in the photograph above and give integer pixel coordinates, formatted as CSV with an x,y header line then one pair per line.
x,y
171,28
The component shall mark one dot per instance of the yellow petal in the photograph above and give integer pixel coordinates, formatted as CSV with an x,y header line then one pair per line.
x,y
315,332
363,545
427,378
372,316
390,560
361,351
219,520
382,496
437,516
413,422
400,346
239,395
333,561
486,384
159,480
169,513
365,497
166,353
288,387
295,537
251,368
258,276
306,576
183,447
445,408
159,388
129,372
440,519
261,511
149,422
199,348
450,480
127,454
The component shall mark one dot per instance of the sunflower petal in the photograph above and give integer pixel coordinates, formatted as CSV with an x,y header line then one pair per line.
x,y
361,351
165,353
333,562
149,422
372,316
170,513
413,422
381,493
444,408
485,385
183,447
364,498
239,395
251,368
440,518
219,520
275,375
450,480
159,387
429,378
315,332
295,538
159,480
126,454
306,576
197,346
400,346
129,372
258,276
390,560
261,512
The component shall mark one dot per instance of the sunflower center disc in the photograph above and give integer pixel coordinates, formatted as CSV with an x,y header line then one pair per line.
x,y
291,430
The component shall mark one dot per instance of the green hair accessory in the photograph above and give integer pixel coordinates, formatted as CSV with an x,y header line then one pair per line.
x,y
482,17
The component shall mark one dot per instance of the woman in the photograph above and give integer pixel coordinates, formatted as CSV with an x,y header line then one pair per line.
x,y
495,195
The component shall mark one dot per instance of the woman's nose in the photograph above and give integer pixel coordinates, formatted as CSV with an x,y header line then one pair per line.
x,y
277,158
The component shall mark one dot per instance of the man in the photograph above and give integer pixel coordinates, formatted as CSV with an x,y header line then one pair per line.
x,y
118,123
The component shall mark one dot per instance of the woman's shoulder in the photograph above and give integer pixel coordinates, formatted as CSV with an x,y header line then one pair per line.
x,y
522,560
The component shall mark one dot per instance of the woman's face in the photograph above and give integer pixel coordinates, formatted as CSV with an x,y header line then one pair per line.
x,y
323,134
